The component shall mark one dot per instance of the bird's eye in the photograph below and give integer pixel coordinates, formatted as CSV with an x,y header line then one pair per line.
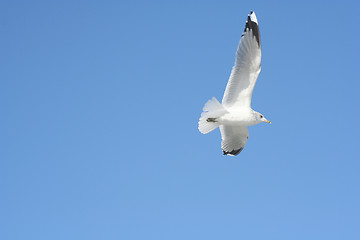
x,y
261,116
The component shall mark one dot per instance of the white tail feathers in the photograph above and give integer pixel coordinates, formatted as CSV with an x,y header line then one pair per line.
x,y
211,111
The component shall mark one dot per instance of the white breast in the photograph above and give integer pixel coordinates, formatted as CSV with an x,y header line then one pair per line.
x,y
239,117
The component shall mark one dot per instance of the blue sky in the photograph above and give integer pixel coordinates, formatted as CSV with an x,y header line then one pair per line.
x,y
100,103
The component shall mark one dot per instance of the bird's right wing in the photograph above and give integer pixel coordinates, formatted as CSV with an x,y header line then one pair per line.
x,y
234,139
246,68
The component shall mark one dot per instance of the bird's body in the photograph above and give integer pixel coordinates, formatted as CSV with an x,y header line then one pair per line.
x,y
235,114
239,118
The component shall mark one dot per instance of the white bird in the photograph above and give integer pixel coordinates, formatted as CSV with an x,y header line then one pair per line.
x,y
235,114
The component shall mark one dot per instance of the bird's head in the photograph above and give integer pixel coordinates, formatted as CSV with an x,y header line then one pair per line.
x,y
260,118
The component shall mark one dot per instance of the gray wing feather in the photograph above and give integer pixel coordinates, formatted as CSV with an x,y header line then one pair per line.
x,y
246,68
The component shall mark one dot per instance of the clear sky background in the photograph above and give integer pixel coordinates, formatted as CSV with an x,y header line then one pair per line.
x,y
99,108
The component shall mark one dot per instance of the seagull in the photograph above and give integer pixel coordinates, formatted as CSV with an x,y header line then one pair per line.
x,y
235,114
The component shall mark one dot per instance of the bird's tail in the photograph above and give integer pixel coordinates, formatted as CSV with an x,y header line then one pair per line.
x,y
211,112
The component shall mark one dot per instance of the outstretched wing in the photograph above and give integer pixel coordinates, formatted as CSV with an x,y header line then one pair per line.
x,y
247,66
233,139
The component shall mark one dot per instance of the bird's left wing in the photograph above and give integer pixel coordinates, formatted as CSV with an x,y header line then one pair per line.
x,y
246,68
234,139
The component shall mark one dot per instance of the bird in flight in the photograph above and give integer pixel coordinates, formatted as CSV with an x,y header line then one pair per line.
x,y
235,114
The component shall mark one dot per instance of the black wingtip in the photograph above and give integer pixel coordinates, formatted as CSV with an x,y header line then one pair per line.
x,y
248,21
254,27
233,152
251,12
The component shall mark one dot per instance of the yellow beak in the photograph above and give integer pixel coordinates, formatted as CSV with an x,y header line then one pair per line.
x,y
267,121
